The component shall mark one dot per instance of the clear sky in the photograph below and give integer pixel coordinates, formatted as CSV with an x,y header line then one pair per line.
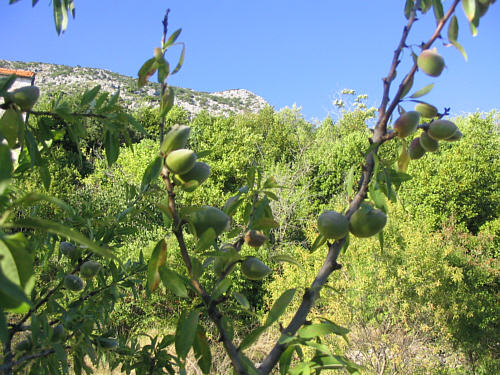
x,y
286,51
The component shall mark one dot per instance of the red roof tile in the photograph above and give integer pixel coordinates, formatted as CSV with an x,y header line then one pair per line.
x,y
19,73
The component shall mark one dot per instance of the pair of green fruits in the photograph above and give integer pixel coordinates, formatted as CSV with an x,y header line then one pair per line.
x,y
365,222
88,269
182,162
251,267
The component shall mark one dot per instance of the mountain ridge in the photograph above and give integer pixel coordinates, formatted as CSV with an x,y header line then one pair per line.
x,y
56,77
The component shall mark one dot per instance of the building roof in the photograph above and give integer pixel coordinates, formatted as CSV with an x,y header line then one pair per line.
x,y
17,72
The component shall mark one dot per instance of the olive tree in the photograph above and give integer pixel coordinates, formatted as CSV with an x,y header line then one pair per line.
x,y
64,320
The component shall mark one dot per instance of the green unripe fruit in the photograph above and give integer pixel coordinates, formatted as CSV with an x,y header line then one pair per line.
x,y
416,151
25,97
57,333
73,283
175,139
194,178
106,343
68,249
331,224
255,238
428,144
426,110
253,269
89,269
228,258
431,62
367,221
181,161
442,129
455,137
407,123
209,217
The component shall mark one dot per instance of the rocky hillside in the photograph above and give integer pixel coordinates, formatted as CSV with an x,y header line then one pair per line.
x,y
52,77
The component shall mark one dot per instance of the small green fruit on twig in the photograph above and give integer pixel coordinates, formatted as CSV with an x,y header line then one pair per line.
x,y
25,97
89,269
442,129
68,249
333,225
175,139
73,283
181,161
431,62
253,269
426,110
209,217
195,177
428,143
367,221
407,123
255,238
416,151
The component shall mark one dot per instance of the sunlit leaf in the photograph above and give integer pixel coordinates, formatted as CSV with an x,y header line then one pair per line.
x,y
155,262
181,60
422,91
171,40
438,9
280,306
453,29
173,281
461,49
151,173
318,242
469,7
242,300
287,259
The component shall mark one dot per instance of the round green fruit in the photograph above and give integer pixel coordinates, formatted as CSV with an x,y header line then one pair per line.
x,y
442,129
228,258
407,123
89,269
195,177
181,161
209,217
426,110
455,137
367,221
175,139
25,97
253,269
428,144
331,224
416,151
73,282
430,62
68,249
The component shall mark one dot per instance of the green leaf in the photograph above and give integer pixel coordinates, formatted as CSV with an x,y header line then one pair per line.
x,y
36,158
173,281
232,204
438,9
185,332
146,71
377,196
206,240
287,259
318,242
469,7
381,240
321,329
6,83
453,29
271,195
252,337
155,262
57,15
349,182
221,287
163,70
43,170
4,331
167,102
136,124
286,359
338,330
202,350
461,49
181,60
10,123
404,158
280,306
6,166
171,40
265,223
12,297
151,173
61,230
112,147
242,300
422,91
409,5
89,95
407,87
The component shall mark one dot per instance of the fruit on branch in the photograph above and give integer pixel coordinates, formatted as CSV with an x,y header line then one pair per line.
x,y
431,62
428,144
73,282
367,221
175,139
416,151
195,177
25,97
209,217
255,238
455,137
69,250
407,123
181,161
333,225
89,269
57,333
442,129
254,269
426,110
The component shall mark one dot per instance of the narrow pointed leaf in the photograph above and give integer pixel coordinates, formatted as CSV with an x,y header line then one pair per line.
x,y
155,262
422,91
151,173
146,71
173,281
181,60
185,332
461,49
280,306
172,38
252,337
469,7
318,242
438,9
202,350
286,359
453,29
287,259
242,300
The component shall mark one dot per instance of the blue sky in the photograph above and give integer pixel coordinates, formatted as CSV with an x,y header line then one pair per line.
x,y
288,52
